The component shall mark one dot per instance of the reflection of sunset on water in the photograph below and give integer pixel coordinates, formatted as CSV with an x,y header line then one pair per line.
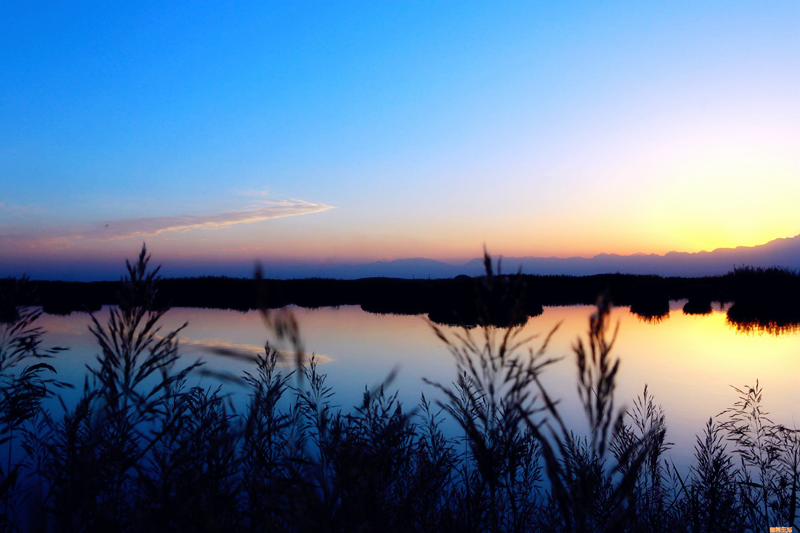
x,y
688,362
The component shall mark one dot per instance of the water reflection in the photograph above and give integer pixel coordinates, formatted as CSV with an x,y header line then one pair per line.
x,y
697,307
762,327
688,361
651,319
249,352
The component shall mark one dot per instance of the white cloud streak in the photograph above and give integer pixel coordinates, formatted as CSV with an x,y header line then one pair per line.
x,y
151,226
147,227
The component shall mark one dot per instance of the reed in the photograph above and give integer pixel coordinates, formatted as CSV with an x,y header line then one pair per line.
x,y
144,450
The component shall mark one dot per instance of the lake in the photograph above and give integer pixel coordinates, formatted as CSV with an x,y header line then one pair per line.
x,y
688,362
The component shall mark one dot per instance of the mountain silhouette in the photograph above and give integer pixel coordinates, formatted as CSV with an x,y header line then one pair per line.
x,y
783,252
779,252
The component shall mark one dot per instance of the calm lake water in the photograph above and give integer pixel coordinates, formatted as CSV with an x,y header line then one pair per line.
x,y
689,362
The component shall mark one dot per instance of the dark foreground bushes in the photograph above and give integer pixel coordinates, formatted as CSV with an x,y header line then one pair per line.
x,y
144,451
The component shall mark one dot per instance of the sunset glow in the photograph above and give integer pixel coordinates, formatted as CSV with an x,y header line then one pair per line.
x,y
346,135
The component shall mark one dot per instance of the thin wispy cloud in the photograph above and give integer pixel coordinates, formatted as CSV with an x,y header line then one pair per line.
x,y
148,227
152,226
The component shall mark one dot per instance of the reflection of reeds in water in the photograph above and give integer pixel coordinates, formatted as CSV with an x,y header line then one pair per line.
x,y
695,307
764,327
144,451
651,319
765,300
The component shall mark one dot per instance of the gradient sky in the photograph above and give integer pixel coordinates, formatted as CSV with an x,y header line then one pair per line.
x,y
314,132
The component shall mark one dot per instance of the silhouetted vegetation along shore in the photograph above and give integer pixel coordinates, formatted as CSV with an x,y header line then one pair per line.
x,y
144,451
761,296
766,298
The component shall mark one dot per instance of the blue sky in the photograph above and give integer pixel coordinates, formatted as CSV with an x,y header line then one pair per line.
x,y
350,133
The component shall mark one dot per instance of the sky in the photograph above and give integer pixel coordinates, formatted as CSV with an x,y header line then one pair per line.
x,y
221,133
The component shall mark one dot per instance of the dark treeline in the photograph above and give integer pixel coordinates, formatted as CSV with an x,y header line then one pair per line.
x,y
142,450
763,297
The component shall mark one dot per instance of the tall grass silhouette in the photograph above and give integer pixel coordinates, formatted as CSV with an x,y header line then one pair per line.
x,y
145,449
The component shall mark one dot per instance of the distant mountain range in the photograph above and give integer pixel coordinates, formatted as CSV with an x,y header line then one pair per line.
x,y
781,252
